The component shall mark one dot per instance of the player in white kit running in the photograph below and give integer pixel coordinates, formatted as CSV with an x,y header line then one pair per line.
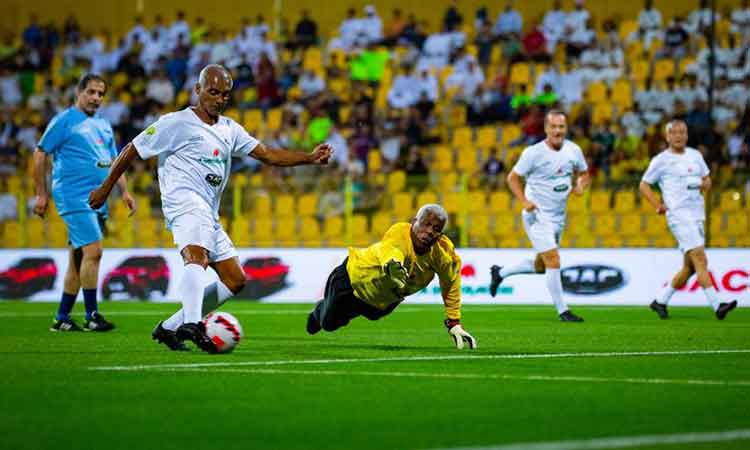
x,y
683,176
549,168
195,147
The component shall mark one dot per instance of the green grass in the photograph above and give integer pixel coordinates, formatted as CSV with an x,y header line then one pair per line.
x,y
50,398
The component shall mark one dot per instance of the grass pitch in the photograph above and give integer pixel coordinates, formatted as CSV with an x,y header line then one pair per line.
x,y
393,384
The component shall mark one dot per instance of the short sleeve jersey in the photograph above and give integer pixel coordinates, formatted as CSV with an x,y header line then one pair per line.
x,y
194,159
549,176
82,149
679,176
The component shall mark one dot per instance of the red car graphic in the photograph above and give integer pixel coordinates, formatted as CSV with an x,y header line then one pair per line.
x,y
27,277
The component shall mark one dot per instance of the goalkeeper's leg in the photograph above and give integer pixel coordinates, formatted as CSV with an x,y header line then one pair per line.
x,y
339,305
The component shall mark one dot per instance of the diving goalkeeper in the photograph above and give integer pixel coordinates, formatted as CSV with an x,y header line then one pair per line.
x,y
373,281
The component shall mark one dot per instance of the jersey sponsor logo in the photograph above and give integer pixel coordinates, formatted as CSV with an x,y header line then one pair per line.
x,y
214,180
560,188
214,159
103,164
693,187
592,279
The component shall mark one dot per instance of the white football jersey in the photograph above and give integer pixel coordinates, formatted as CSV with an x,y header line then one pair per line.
x,y
679,176
549,176
194,159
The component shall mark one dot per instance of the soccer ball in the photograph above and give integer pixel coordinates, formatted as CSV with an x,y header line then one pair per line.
x,y
224,330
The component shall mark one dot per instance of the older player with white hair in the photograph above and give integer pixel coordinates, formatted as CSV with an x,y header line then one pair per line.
x,y
195,147
373,281
550,168
683,177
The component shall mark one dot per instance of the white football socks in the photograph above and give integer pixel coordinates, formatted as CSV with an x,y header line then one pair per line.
x,y
666,294
214,295
554,286
713,300
525,266
190,291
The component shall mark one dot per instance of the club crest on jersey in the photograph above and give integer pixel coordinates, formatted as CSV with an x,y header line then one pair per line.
x,y
214,180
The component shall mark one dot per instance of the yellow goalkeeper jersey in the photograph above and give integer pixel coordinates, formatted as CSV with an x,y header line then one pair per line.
x,y
373,286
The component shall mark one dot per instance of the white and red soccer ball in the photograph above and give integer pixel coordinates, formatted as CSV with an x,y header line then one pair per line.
x,y
224,330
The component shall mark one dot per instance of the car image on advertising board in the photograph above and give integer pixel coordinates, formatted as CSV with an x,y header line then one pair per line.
x,y
137,277
265,275
27,277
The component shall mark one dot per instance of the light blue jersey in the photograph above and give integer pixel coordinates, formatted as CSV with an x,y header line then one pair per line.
x,y
83,149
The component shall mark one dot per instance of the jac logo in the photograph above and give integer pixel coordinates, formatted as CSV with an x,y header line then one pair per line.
x,y
214,180
592,279
468,271
734,280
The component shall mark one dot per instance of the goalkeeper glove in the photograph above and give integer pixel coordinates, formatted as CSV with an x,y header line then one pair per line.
x,y
460,335
396,272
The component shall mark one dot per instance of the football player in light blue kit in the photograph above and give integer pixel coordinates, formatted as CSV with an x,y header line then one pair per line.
x,y
82,147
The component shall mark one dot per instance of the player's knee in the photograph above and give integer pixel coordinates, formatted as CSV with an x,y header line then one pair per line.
x,y
236,283
92,252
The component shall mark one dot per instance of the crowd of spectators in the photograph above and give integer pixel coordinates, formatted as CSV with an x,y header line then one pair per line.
x,y
391,86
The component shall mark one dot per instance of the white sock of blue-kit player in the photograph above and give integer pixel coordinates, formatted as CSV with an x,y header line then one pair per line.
x,y
554,286
214,295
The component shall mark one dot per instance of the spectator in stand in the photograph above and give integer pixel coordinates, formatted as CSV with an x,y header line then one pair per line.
x,y
178,34
740,23
484,42
534,45
415,164
509,23
137,34
492,170
160,89
452,19
310,84
676,39
403,90
269,95
553,26
394,28
700,19
306,31
649,25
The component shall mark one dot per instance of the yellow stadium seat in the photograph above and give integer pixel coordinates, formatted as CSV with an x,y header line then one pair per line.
x,y
622,95
396,181
630,224
578,226
511,133
359,234
286,232
374,161
310,232
599,201
576,204
262,232
285,206
624,201
476,202
612,242
426,197
663,241
467,159
448,181
602,112
479,229
233,113
333,227
443,161
274,119
262,206
585,241
461,137
597,92
638,241
307,205
663,69
35,235
720,241
737,224
604,225
504,225
716,222
520,73
451,202
512,242
654,225
487,136
639,70
730,201
253,120
627,27
500,202
381,221
403,205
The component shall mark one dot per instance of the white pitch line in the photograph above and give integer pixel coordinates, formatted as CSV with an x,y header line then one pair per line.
x,y
418,358
259,312
621,441
469,376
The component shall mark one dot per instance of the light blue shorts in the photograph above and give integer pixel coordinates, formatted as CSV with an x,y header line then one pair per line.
x,y
84,228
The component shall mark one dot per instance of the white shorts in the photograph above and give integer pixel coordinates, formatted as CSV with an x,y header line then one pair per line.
x,y
200,228
689,234
543,234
